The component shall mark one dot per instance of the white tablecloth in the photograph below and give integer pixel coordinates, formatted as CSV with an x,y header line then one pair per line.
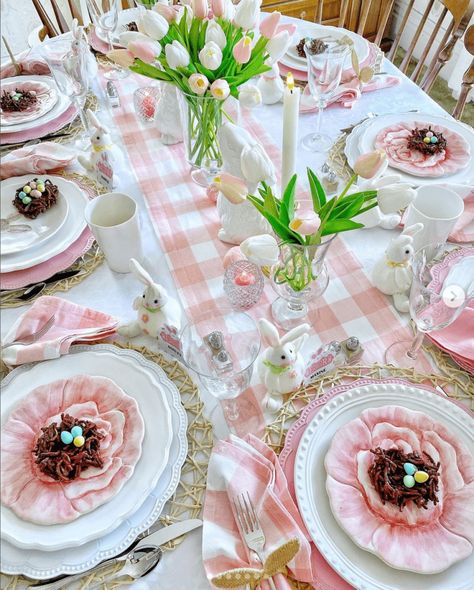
x,y
113,293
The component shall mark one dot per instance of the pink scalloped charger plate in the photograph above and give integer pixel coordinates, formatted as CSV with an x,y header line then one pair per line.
x,y
325,576
38,498
393,140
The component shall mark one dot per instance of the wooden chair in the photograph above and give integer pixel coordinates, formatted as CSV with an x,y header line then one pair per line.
x,y
468,78
354,15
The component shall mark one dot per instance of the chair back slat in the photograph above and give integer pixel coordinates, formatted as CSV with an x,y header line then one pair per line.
x,y
434,33
46,21
62,24
343,13
407,58
319,12
398,36
75,11
364,13
468,78
386,12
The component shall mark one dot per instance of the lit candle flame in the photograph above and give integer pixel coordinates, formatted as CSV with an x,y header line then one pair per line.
x,y
290,82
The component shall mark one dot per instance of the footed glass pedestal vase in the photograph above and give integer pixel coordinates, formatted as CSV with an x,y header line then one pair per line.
x,y
299,276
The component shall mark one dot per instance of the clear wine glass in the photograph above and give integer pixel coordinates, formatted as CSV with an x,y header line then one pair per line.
x,y
432,307
69,70
221,348
324,76
104,14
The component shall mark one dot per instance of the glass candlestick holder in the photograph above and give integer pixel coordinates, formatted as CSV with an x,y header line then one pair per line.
x,y
243,284
145,101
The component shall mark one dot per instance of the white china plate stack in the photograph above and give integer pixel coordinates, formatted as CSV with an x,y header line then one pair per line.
x,y
62,224
109,529
358,567
362,138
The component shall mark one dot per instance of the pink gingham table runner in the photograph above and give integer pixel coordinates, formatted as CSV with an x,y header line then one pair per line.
x,y
186,224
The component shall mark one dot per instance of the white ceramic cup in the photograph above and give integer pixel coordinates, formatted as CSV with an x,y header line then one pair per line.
x,y
438,209
114,220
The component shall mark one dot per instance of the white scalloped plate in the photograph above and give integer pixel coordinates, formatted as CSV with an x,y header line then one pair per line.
x,y
46,564
360,568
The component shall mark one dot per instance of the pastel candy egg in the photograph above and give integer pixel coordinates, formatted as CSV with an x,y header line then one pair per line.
x,y
26,200
429,134
421,477
32,184
12,93
66,437
35,193
33,92
40,187
427,139
22,194
79,441
26,189
408,481
434,139
16,97
409,468
76,431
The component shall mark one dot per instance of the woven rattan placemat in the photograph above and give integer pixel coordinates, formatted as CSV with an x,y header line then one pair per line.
x,y
187,500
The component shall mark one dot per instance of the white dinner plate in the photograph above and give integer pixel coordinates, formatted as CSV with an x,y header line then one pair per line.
x,y
42,228
360,568
63,238
61,106
108,361
362,138
124,17
307,29
156,414
47,97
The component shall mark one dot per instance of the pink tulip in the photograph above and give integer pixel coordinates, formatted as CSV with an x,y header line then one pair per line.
x,y
122,57
200,8
220,89
168,12
371,164
218,7
269,26
290,29
147,52
233,188
306,223
242,50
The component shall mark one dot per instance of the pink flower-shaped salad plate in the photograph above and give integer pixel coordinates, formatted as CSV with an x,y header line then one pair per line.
x,y
46,98
362,539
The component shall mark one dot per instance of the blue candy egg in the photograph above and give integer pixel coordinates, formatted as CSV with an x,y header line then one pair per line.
x,y
76,431
66,437
434,139
409,468
22,194
408,481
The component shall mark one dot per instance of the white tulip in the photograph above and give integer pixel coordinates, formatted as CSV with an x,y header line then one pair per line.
x,y
250,96
129,36
153,25
261,250
278,46
210,56
255,164
395,197
176,55
215,33
247,14
229,10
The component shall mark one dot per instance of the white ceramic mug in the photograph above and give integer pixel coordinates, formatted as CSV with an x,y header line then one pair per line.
x,y
438,209
114,221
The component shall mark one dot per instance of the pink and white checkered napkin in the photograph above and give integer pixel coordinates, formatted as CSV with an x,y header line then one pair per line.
x,y
36,159
70,320
249,465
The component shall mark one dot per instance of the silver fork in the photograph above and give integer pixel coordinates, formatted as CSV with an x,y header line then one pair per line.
x,y
250,528
32,338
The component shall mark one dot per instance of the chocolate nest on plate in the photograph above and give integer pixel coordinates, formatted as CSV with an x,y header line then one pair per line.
x,y
387,472
65,462
34,203
418,141
316,47
17,100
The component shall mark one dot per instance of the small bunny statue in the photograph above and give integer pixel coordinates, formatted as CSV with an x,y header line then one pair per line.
x,y
155,308
281,366
167,116
392,274
100,159
80,46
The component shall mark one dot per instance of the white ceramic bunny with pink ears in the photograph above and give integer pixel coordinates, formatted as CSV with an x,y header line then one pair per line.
x,y
155,309
281,366
392,274
100,159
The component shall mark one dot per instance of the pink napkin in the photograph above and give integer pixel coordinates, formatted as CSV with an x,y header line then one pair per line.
x,y
70,320
36,159
458,338
349,92
30,66
464,229
248,465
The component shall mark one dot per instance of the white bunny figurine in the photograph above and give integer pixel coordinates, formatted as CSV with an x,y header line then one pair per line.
x,y
281,366
100,159
155,308
80,46
392,274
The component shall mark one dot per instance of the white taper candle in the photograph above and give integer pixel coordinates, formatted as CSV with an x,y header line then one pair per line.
x,y
291,110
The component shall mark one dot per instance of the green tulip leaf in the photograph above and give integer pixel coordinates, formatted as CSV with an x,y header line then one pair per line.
x,y
318,193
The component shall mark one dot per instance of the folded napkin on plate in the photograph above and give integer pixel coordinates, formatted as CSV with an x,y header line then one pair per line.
x,y
349,92
28,66
70,320
36,159
464,229
248,465
458,338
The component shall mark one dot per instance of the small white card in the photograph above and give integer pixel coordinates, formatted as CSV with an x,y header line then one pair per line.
x,y
104,172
